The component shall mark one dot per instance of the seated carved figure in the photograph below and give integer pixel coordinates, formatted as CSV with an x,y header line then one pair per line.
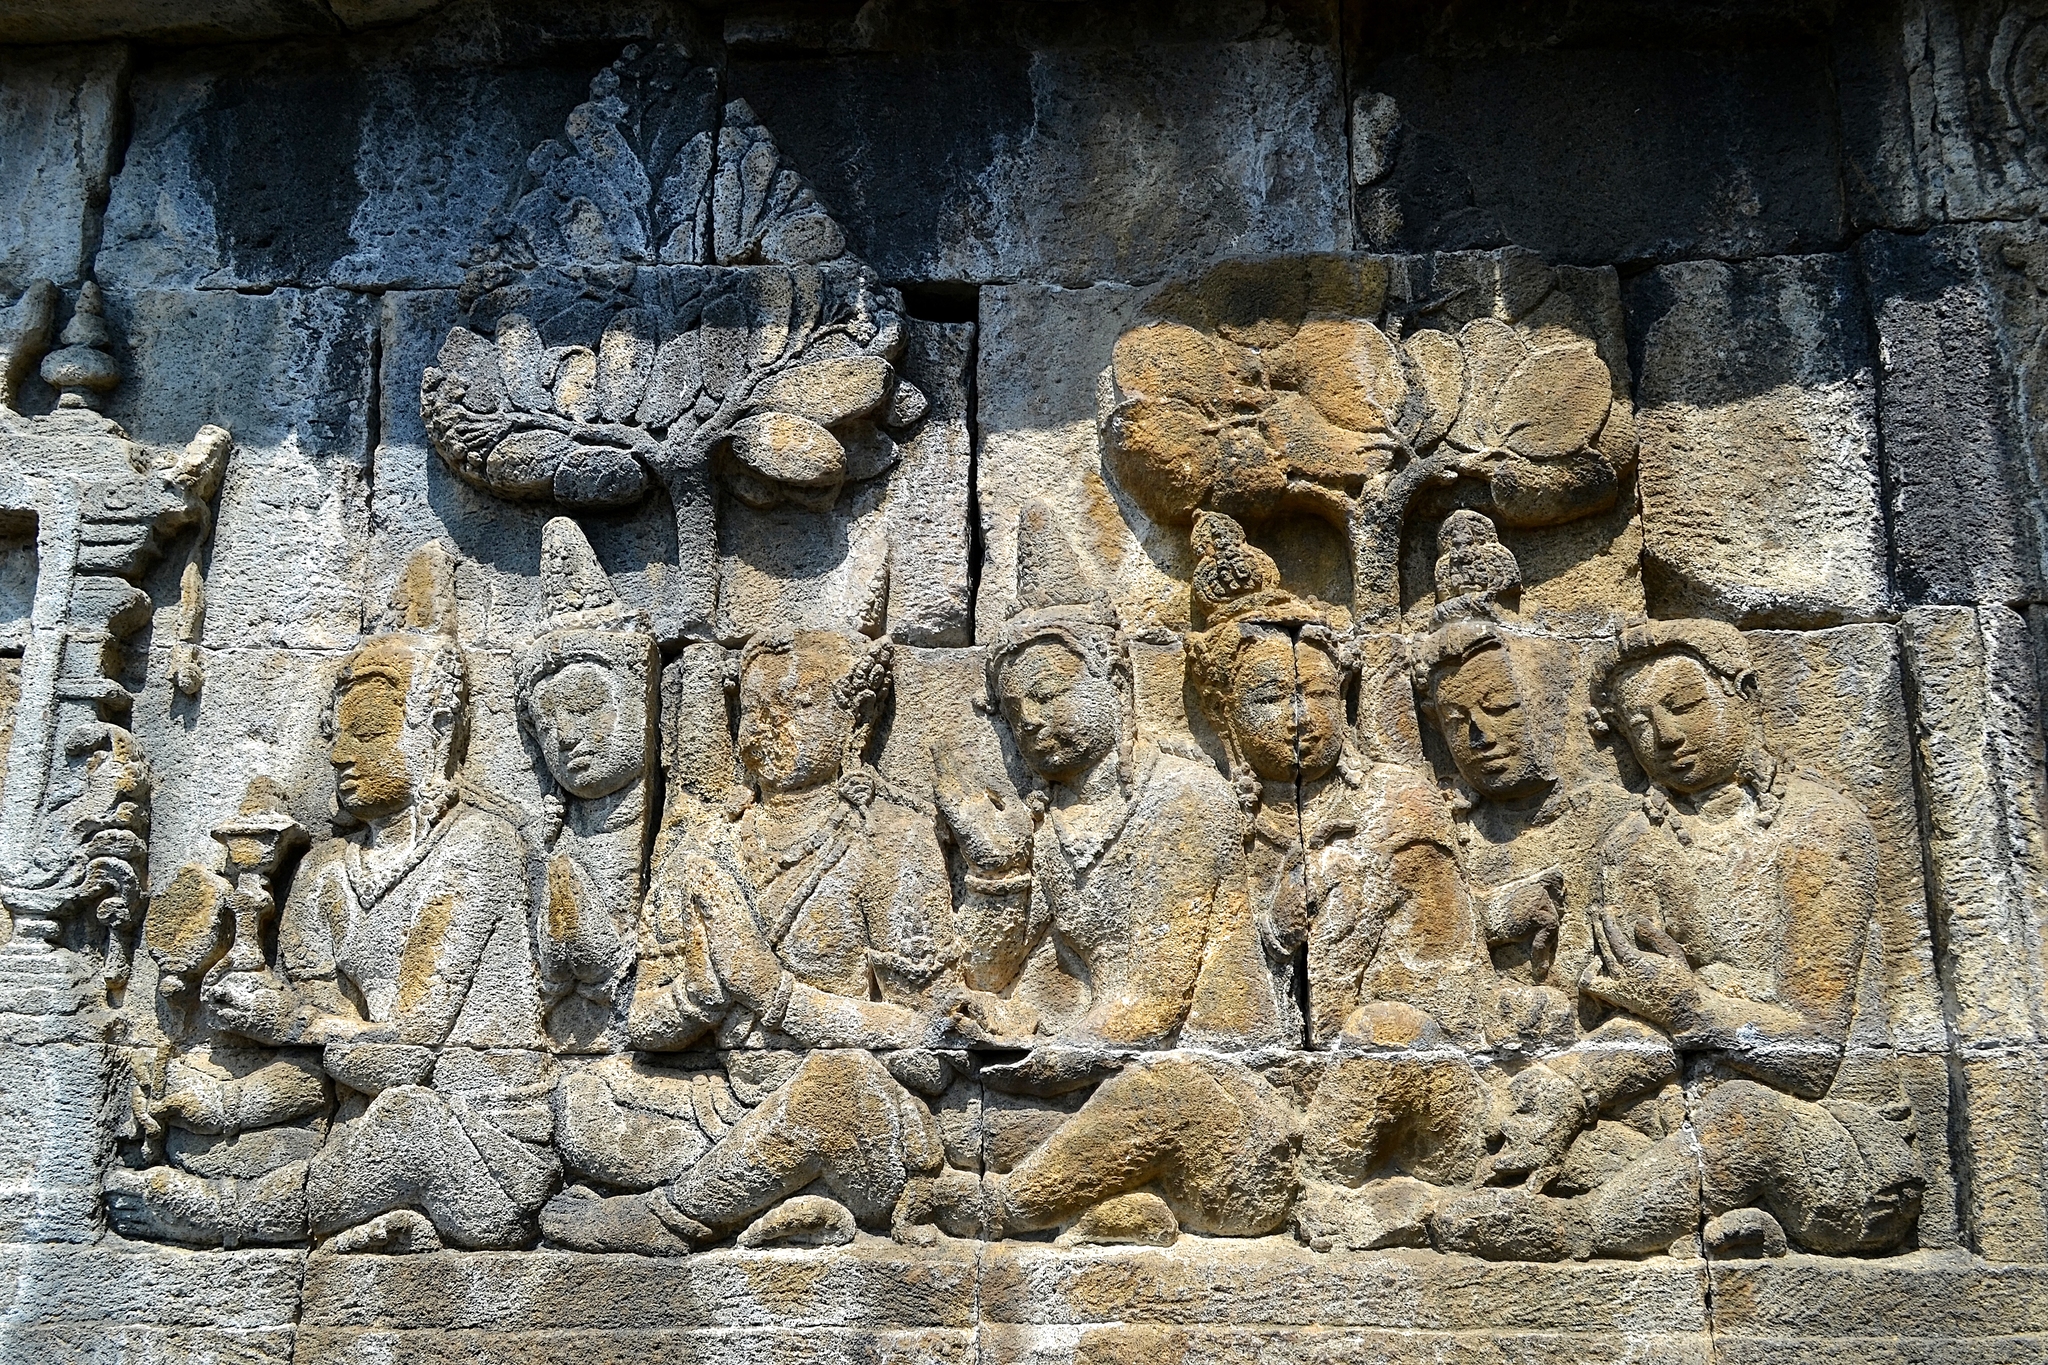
x,y
403,954
1733,917
1526,827
586,693
1350,859
1113,902
213,1106
807,932
1352,866
1119,915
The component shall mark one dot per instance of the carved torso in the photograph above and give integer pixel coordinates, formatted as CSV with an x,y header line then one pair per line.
x,y
435,944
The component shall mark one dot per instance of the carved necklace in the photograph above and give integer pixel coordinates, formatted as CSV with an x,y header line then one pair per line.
x,y
1083,851
372,881
809,844
1766,790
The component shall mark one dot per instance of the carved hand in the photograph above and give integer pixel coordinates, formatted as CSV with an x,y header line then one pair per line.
x,y
198,1105
1645,973
993,833
253,1005
248,1003
1549,1112
1052,1070
740,952
1529,907
992,1021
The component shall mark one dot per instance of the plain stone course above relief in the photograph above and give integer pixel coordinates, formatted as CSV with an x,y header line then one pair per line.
x,y
911,681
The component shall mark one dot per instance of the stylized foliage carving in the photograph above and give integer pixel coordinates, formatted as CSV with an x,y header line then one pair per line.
x,y
784,379
1344,422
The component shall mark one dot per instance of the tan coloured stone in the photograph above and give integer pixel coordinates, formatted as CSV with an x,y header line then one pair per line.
x,y
1834,704
1326,915
1760,486
1979,740
1191,350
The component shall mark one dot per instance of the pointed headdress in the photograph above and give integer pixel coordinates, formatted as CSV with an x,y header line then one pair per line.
x,y
415,651
586,623
1056,601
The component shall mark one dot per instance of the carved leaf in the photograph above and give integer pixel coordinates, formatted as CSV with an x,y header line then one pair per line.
x,y
1167,454
907,403
1349,370
764,212
1554,403
473,363
682,206
771,331
869,451
789,450
599,476
576,384
1312,448
830,391
1169,361
625,355
523,362
723,339
1492,351
1436,388
523,465
676,379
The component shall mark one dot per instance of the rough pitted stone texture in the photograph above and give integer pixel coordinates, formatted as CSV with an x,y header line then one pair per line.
x,y
1974,112
147,1303
1674,152
57,145
367,173
1074,164
1758,409
903,682
1965,518
289,374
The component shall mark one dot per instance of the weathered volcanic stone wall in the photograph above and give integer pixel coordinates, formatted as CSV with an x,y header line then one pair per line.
x,y
1023,680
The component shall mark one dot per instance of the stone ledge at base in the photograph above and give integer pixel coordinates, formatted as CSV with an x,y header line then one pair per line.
x,y
1265,1301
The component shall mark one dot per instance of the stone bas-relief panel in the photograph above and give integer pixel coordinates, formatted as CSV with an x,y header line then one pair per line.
x,y
1454,931
1259,811
1126,997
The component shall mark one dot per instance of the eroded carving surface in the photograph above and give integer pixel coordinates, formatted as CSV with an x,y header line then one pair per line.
x,y
1318,836
1460,934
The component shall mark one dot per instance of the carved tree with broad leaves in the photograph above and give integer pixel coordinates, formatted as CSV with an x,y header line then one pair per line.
x,y
1344,422
783,381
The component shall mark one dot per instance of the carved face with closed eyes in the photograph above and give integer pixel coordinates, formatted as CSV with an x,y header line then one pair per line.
x,y
1065,718
1285,708
1689,729
794,722
591,722
1489,727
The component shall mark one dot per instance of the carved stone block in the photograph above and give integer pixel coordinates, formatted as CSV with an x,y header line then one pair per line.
x,y
1451,140
1758,391
1952,435
213,194
57,145
768,684
1011,137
